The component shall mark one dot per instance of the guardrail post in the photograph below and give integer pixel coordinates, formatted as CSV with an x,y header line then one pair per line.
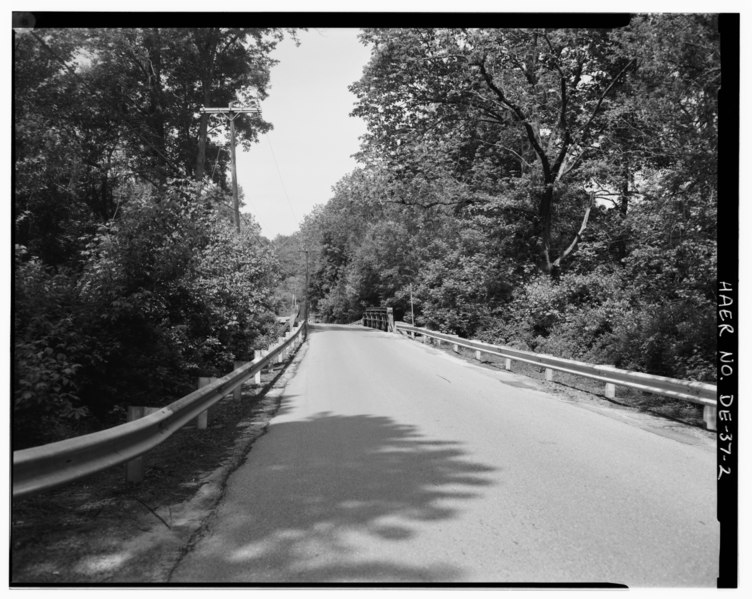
x,y
238,391
709,414
549,374
456,348
257,376
477,354
134,469
508,363
202,420
610,391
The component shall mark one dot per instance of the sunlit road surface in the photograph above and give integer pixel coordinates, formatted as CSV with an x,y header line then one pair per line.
x,y
390,461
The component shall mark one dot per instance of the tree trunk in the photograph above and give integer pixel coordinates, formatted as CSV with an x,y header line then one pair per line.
x,y
545,210
621,241
205,41
156,108
201,155
624,191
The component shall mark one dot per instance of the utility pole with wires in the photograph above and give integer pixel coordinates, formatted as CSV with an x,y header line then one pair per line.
x,y
305,309
412,311
232,111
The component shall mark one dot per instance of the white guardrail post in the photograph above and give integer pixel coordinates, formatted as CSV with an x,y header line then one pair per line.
x,y
256,357
238,393
693,391
478,353
203,418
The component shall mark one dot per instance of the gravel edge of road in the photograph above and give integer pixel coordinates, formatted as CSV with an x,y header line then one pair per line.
x,y
204,510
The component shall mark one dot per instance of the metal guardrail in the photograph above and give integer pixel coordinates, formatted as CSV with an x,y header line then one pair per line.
x,y
39,468
704,394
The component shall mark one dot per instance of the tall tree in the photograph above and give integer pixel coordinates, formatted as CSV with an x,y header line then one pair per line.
x,y
537,96
163,77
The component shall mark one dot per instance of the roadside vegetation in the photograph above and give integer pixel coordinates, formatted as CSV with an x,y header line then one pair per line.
x,y
130,279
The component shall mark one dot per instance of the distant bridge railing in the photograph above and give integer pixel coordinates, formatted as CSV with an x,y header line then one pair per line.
x,y
379,318
699,393
39,468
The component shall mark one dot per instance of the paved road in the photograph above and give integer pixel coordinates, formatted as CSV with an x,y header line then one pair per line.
x,y
390,461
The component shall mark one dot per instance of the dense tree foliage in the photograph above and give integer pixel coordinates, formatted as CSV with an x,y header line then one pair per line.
x,y
550,189
129,279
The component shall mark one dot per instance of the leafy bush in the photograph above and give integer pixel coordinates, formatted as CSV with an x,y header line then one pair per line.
x,y
167,292
601,318
49,348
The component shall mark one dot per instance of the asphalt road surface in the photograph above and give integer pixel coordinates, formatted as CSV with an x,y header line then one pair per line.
x,y
390,461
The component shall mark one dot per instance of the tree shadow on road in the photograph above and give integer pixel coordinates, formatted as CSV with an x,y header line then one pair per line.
x,y
330,498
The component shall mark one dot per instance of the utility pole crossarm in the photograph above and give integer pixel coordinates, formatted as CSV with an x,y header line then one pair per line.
x,y
243,109
232,107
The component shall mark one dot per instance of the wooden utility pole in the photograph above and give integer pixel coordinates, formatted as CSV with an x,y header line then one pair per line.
x,y
412,311
305,310
233,110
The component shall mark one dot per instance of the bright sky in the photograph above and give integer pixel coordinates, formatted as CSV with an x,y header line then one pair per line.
x,y
294,166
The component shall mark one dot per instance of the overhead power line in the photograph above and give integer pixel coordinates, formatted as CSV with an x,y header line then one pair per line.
x,y
279,174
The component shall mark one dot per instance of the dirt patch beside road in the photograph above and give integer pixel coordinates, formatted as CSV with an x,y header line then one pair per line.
x,y
104,530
